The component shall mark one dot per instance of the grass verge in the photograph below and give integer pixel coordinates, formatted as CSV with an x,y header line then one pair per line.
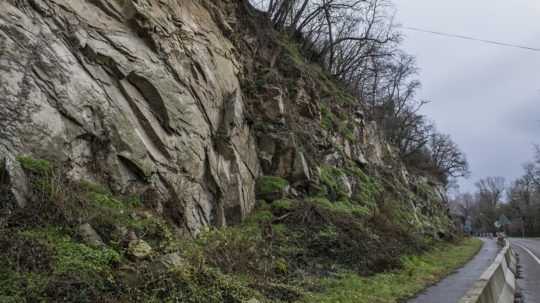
x,y
417,273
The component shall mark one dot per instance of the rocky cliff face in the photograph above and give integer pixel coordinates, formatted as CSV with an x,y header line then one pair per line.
x,y
181,102
140,95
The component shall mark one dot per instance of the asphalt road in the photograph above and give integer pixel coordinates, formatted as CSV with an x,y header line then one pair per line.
x,y
454,287
529,257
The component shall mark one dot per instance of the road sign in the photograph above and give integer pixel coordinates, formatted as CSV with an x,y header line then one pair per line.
x,y
467,228
504,220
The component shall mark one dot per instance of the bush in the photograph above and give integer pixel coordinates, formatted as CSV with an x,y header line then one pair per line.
x,y
36,166
283,205
193,285
270,188
70,256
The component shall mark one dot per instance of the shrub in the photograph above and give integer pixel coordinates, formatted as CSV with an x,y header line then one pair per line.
x,y
70,256
332,179
235,250
283,205
193,285
36,166
271,188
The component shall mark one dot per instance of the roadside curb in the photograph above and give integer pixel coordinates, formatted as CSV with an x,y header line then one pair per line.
x,y
498,283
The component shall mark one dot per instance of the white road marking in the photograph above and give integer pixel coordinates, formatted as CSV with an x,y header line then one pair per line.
x,y
529,252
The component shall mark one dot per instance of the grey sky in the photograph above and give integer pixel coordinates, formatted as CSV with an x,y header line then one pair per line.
x,y
487,97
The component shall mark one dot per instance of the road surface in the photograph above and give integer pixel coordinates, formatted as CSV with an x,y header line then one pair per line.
x,y
529,257
454,287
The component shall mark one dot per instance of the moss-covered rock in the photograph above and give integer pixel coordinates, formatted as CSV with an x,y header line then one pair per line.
x,y
335,183
283,205
270,188
139,249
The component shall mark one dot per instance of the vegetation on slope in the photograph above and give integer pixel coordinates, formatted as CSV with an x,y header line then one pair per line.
x,y
289,250
356,45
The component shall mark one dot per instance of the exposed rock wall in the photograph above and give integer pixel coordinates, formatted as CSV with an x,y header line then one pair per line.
x,y
185,102
141,95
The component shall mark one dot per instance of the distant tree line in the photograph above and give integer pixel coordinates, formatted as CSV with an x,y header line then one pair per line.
x,y
518,201
357,43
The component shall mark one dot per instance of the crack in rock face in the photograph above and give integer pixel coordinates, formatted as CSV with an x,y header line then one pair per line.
x,y
138,96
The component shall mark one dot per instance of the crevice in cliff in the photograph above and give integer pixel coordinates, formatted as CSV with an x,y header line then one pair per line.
x,y
153,97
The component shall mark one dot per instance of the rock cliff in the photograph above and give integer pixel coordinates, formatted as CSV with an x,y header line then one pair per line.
x,y
185,103
140,95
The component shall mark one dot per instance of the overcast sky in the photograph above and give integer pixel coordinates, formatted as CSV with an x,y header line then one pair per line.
x,y
487,97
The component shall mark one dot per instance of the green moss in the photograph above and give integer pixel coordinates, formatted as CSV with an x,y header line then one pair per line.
x,y
340,125
106,200
346,129
281,266
283,205
71,256
260,217
19,287
133,201
346,207
100,196
270,184
327,118
369,188
93,187
48,265
105,212
331,178
37,166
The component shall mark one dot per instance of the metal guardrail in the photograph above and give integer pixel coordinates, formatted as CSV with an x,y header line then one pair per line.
x,y
498,283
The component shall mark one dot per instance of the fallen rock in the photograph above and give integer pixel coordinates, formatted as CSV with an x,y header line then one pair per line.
x,y
273,107
139,249
168,262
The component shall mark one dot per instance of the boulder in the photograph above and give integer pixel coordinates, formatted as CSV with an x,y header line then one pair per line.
x,y
168,262
139,249
273,106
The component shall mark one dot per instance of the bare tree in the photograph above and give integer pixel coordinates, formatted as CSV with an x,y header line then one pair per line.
x,y
357,43
447,157
491,190
467,204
